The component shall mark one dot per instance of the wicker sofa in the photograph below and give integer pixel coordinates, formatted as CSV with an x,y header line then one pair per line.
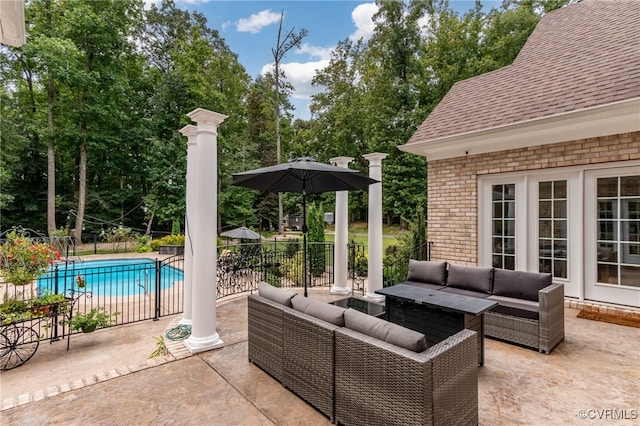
x,y
358,369
530,309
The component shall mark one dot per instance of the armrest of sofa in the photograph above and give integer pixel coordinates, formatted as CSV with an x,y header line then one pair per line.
x,y
265,339
308,359
454,369
551,331
380,383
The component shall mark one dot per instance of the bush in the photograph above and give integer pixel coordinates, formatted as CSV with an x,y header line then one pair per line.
x,y
169,240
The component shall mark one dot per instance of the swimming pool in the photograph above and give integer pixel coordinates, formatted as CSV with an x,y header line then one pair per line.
x,y
114,277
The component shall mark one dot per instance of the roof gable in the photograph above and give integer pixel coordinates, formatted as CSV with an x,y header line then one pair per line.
x,y
578,57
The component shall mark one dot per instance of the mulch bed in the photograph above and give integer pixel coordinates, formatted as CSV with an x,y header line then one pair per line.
x,y
610,318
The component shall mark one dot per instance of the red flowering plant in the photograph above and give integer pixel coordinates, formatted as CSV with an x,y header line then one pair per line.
x,y
22,259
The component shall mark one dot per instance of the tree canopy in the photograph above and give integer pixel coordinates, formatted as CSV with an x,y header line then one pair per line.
x,y
91,107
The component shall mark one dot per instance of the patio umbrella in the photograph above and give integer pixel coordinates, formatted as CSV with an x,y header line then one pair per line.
x,y
305,176
241,233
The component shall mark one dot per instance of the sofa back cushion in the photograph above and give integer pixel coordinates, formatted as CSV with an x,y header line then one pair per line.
x,y
384,330
473,278
425,271
520,284
275,294
326,312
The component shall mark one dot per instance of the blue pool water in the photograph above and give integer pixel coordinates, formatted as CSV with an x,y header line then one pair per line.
x,y
115,277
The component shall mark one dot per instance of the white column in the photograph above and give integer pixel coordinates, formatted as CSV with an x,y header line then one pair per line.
x,y
340,252
374,278
203,323
191,133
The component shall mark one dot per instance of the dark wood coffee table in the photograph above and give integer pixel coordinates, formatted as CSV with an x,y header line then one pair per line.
x,y
436,314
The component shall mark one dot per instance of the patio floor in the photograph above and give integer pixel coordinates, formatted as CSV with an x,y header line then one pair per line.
x,y
106,379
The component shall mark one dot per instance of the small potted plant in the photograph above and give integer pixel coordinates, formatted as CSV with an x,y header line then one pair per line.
x,y
89,321
22,260
46,302
13,309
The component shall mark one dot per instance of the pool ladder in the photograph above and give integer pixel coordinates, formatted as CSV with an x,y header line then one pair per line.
x,y
146,280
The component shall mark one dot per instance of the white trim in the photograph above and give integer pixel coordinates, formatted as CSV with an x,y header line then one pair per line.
x,y
622,295
610,119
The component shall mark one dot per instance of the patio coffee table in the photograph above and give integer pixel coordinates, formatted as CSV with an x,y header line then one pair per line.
x,y
370,308
436,314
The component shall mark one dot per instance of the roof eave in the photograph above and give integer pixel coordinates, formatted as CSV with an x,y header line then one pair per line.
x,y
609,119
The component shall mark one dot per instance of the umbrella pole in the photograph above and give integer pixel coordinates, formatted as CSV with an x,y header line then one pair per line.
x,y
304,237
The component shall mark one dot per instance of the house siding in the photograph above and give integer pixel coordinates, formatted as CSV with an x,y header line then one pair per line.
x,y
453,185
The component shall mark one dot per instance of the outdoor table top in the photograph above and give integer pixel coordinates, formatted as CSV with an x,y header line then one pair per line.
x,y
439,299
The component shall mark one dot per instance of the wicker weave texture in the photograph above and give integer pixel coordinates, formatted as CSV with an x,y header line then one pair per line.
x,y
265,334
381,384
308,368
543,334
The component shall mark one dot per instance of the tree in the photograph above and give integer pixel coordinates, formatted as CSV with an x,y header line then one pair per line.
x,y
283,45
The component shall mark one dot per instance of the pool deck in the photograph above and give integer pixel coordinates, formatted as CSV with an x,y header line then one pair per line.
x,y
107,378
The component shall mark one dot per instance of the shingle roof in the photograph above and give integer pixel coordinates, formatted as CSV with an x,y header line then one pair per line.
x,y
580,56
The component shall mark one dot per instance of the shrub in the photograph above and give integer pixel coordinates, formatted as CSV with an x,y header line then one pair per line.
x,y
169,240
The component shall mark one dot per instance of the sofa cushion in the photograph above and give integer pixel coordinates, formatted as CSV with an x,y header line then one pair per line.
x,y
326,312
384,330
427,271
516,307
275,294
473,278
519,284
464,292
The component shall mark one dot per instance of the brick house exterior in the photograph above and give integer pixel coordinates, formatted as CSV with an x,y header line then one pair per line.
x,y
524,162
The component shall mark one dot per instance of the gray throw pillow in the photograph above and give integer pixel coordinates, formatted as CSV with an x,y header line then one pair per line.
x,y
520,284
385,331
275,294
330,313
473,278
426,271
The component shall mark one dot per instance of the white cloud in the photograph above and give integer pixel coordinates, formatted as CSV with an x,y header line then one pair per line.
x,y
315,51
362,17
256,22
300,74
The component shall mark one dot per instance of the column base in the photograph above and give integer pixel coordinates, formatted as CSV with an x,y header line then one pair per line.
x,y
339,290
373,297
201,344
185,321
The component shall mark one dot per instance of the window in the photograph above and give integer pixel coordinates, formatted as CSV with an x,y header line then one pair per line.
x,y
503,232
552,227
618,230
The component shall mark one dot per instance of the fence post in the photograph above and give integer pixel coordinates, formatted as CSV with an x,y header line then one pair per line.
x,y
56,274
95,244
157,297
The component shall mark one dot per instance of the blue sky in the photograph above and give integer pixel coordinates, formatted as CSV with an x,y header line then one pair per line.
x,y
250,29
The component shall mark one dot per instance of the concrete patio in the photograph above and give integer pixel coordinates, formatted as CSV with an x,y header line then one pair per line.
x,y
593,377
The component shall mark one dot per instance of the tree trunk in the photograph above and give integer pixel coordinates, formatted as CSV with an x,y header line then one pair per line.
x,y
51,165
82,184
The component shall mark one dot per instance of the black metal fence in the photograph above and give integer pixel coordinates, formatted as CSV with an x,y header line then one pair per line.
x,y
397,270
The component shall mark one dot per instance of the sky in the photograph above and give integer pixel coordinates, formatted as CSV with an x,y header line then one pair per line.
x,y
250,29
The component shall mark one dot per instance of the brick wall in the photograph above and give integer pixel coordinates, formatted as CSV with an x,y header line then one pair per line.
x,y
453,185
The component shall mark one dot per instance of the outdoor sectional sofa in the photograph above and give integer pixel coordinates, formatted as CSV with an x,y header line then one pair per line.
x,y
358,369
530,309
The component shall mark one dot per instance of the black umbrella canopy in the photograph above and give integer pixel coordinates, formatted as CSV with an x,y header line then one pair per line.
x,y
241,233
304,176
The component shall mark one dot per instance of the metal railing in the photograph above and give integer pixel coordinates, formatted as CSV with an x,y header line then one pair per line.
x,y
396,271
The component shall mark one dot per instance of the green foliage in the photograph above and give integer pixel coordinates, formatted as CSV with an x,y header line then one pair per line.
x,y
89,321
175,227
169,240
22,260
315,224
161,347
